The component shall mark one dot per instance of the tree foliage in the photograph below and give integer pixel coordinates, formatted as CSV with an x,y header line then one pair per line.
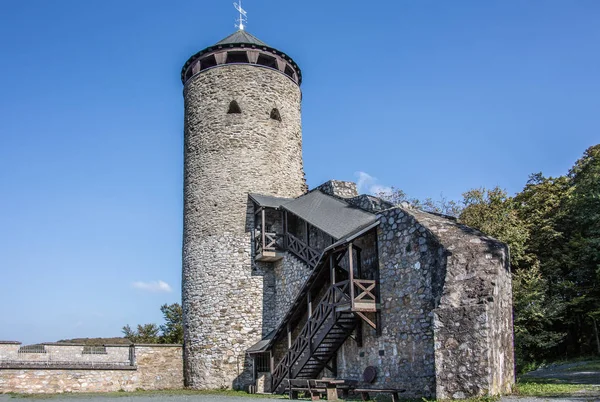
x,y
169,332
552,228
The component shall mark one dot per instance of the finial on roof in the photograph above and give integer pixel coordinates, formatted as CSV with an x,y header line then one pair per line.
x,y
243,18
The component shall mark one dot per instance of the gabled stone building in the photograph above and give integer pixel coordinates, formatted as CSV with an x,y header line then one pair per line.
x,y
283,283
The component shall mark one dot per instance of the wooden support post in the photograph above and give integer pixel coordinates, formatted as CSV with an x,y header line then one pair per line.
x,y
254,370
351,272
334,365
306,237
289,335
271,361
331,269
309,303
358,264
285,230
263,230
377,292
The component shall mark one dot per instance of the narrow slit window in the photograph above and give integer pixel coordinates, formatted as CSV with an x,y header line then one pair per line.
x,y
234,108
275,115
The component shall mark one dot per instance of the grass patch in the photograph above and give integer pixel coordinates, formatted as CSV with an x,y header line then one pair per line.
x,y
546,387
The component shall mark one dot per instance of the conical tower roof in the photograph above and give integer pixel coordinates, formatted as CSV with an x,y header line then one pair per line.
x,y
240,37
243,40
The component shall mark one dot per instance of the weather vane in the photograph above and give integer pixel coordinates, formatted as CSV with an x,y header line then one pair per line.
x,y
243,18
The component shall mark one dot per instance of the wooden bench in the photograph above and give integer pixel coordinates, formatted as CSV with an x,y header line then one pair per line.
x,y
307,386
317,387
364,393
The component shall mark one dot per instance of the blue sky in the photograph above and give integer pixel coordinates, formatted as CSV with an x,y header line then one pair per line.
x,y
428,96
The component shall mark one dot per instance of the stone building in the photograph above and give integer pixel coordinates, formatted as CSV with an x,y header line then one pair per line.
x,y
283,283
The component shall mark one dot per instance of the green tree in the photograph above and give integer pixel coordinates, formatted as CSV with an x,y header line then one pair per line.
x,y
581,252
169,332
145,333
535,317
172,329
494,213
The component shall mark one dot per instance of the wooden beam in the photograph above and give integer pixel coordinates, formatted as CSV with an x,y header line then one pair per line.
x,y
351,272
367,320
306,238
263,229
359,263
331,269
285,230
378,331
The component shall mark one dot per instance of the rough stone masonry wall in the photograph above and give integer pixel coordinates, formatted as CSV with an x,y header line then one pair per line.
x,y
290,276
158,367
446,311
473,321
404,353
337,188
226,157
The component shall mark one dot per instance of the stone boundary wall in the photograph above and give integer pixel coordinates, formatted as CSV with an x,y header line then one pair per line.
x,y
154,367
65,354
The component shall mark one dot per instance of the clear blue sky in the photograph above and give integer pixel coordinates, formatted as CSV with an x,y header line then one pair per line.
x,y
428,96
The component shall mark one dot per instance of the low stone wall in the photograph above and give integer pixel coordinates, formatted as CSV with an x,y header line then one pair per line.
x,y
153,367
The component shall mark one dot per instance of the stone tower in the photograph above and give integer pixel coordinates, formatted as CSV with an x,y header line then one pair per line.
x,y
242,135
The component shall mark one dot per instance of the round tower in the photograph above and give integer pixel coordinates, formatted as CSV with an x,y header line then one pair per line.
x,y
242,135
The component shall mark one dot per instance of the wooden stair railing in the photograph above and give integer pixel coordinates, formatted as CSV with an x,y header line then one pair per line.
x,y
320,338
302,250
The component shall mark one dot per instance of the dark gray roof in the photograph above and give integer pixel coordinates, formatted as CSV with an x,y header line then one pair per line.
x,y
269,201
261,345
241,37
330,214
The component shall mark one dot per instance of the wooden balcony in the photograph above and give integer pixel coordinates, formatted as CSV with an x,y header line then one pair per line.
x,y
361,298
269,246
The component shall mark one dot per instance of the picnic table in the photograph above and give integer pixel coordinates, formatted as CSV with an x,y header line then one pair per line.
x,y
316,387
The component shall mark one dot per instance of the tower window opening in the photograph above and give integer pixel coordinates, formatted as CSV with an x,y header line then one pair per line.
x,y
267,61
288,71
275,114
189,73
234,108
237,57
207,62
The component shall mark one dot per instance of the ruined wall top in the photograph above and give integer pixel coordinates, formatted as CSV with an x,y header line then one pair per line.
x,y
337,188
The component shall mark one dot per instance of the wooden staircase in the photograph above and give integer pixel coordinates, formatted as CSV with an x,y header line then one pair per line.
x,y
319,340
